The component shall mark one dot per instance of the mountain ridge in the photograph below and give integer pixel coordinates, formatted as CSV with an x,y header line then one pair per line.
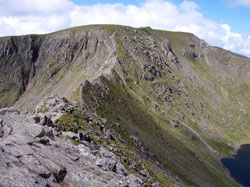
x,y
149,81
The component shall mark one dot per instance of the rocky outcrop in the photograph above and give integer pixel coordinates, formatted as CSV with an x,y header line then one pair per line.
x,y
170,54
34,154
190,54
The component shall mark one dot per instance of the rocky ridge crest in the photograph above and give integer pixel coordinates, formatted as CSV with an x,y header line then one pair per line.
x,y
35,151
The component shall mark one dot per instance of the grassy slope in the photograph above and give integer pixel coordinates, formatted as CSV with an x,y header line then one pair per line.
x,y
119,105
224,93
221,130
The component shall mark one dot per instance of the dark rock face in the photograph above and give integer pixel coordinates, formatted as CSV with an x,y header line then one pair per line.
x,y
85,137
18,54
60,175
153,73
35,60
44,141
49,123
170,54
37,119
190,54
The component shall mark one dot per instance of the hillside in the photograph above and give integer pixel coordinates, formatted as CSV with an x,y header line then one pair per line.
x,y
181,104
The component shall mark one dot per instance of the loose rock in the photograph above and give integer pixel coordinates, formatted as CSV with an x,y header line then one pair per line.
x,y
35,131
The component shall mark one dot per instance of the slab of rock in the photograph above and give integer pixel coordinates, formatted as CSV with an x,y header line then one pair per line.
x,y
3,111
68,134
49,132
35,131
7,129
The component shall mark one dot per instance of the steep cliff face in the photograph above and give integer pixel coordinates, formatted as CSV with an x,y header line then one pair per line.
x,y
18,55
54,63
180,103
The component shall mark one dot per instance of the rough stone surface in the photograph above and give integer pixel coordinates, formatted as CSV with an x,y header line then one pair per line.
x,y
36,131
29,156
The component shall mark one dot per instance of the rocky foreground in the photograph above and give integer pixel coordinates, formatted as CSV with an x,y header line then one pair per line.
x,y
34,151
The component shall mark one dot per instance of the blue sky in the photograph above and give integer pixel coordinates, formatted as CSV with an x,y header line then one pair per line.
x,y
223,23
220,11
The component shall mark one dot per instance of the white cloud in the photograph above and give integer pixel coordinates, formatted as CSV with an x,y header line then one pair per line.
x,y
245,3
188,6
35,7
52,15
